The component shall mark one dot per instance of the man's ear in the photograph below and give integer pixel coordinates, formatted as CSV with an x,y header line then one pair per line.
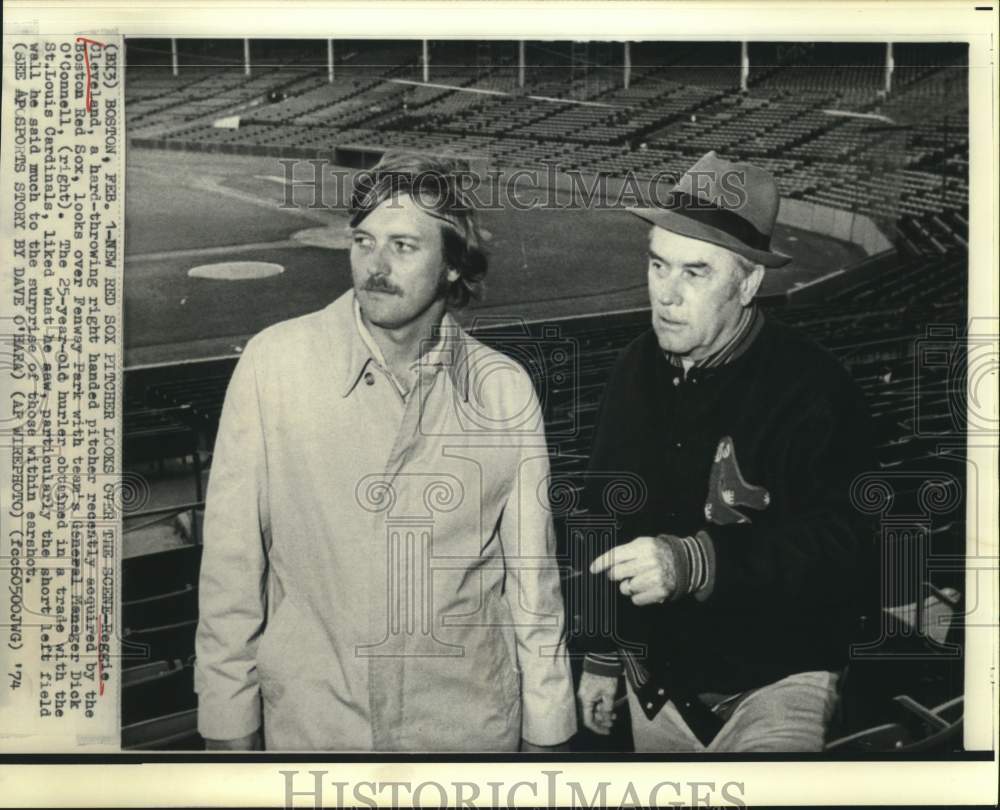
x,y
452,275
751,283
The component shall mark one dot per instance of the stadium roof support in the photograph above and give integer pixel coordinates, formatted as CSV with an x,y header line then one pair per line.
x,y
744,65
425,58
174,65
520,63
329,61
246,56
627,61
890,66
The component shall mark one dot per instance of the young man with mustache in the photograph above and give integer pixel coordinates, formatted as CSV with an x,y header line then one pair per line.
x,y
737,586
378,570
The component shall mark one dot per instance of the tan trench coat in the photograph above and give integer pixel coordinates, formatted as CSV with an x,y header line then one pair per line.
x,y
378,570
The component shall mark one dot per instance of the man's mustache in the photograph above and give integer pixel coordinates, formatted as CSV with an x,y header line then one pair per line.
x,y
381,284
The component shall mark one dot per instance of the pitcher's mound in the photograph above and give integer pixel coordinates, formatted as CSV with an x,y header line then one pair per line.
x,y
236,271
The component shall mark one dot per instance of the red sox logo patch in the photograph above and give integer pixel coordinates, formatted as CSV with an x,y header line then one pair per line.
x,y
727,488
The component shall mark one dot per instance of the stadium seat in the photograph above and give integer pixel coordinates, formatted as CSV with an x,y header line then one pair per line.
x,y
163,693
178,731
889,688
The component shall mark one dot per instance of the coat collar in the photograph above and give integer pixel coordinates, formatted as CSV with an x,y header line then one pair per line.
x,y
349,339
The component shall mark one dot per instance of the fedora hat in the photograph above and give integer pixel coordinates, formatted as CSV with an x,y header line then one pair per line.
x,y
733,205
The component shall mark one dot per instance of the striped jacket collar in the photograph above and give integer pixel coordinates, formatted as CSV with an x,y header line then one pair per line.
x,y
751,322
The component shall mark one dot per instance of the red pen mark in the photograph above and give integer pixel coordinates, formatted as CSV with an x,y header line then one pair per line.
x,y
86,60
100,660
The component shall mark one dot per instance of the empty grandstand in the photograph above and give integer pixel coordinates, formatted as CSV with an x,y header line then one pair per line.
x,y
681,99
861,142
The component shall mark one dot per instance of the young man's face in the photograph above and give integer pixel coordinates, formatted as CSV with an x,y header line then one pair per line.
x,y
397,263
697,292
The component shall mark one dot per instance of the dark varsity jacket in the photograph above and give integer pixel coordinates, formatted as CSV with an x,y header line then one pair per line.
x,y
749,460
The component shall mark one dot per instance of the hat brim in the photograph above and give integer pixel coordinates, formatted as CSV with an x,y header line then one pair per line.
x,y
678,223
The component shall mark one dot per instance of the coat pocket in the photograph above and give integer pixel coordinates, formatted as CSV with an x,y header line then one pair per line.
x,y
505,645
275,648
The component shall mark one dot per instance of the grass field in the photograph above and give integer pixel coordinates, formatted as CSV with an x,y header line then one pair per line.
x,y
186,209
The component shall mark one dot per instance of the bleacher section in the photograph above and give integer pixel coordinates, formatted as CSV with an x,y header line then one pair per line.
x,y
682,101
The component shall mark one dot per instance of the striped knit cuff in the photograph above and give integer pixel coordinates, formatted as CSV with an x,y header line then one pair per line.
x,y
610,665
707,547
693,564
682,565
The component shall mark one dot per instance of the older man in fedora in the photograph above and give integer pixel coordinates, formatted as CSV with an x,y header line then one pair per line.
x,y
738,584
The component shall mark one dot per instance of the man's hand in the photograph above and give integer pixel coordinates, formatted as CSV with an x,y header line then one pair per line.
x,y
251,742
531,748
644,567
596,694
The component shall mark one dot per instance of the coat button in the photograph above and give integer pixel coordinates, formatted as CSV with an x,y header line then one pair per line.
x,y
677,380
369,378
661,692
649,705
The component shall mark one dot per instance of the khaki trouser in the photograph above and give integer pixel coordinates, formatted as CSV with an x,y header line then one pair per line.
x,y
786,716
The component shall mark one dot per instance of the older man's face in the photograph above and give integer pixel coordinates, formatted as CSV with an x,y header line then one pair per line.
x,y
397,263
697,292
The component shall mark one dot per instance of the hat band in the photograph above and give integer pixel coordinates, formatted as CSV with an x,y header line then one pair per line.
x,y
722,219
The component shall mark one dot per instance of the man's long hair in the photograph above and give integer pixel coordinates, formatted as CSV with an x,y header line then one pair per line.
x,y
432,183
